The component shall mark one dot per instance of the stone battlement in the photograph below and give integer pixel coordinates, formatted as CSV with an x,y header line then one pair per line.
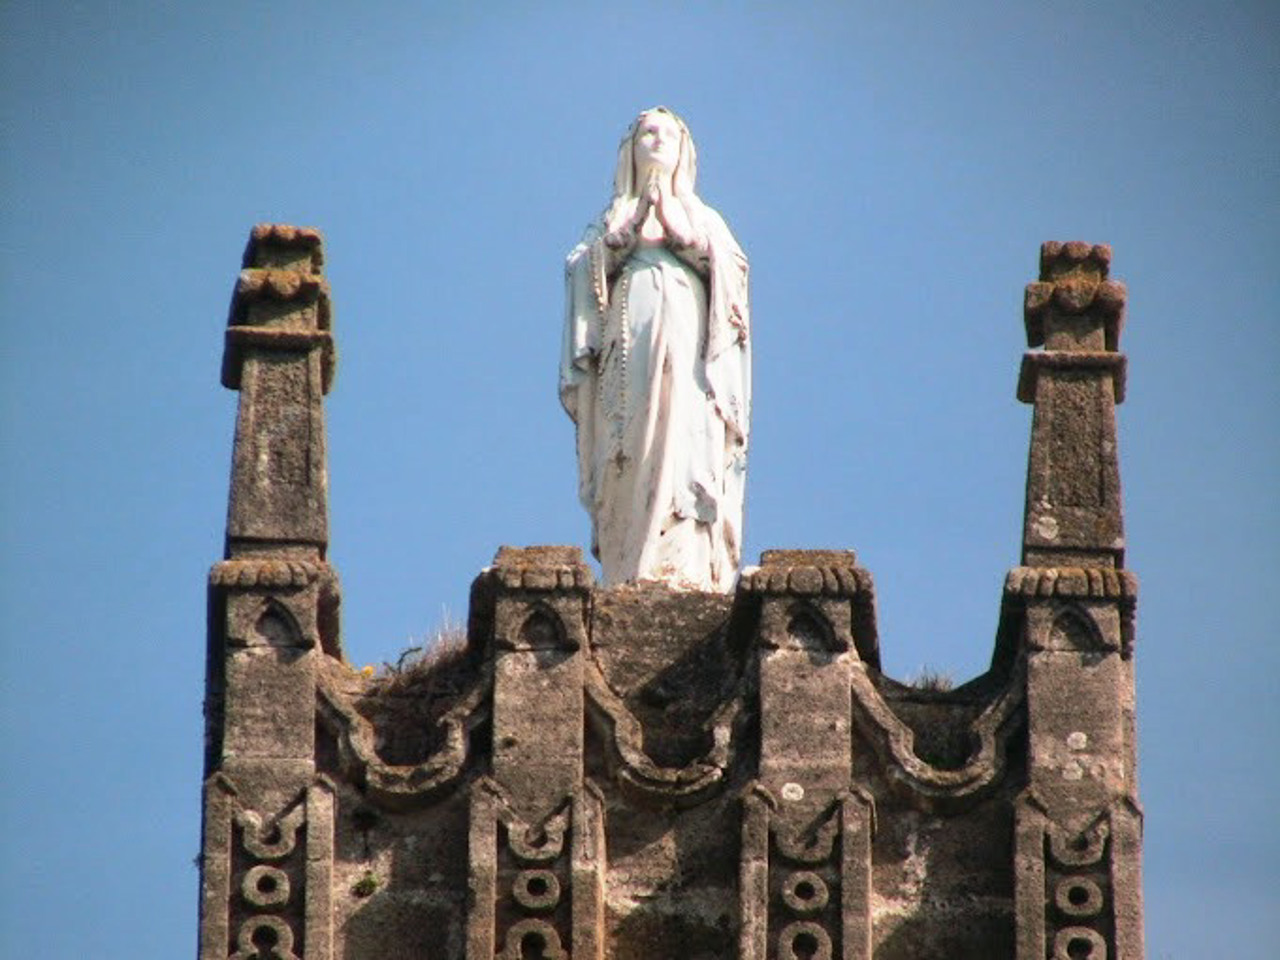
x,y
643,772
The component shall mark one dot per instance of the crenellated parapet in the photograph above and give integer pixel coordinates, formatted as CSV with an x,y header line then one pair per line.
x,y
634,772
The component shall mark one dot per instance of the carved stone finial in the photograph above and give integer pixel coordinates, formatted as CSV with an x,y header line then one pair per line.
x,y
281,300
1073,510
279,354
1073,306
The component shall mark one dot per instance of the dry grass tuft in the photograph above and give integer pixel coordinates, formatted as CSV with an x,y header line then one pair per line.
x,y
441,652
933,681
406,699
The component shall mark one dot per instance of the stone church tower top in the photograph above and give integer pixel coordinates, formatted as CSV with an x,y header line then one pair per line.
x,y
638,771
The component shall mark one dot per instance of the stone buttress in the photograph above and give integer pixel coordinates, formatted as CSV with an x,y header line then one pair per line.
x,y
616,774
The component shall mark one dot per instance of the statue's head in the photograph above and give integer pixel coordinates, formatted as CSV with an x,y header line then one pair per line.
x,y
657,138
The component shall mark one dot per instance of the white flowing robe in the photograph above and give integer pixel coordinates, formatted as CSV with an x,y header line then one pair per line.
x,y
656,373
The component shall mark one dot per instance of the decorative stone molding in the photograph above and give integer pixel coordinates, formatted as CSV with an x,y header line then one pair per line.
x,y
1058,257
1094,583
1073,281
282,889
273,840
1077,892
545,579
1074,295
807,573
541,569
537,888
821,576
894,742
281,286
1111,365
269,573
398,786
283,311
280,244
806,882
634,768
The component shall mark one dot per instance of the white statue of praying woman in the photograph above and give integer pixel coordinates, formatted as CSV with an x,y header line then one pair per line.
x,y
656,370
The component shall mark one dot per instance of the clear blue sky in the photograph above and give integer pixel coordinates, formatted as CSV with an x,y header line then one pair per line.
x,y
891,169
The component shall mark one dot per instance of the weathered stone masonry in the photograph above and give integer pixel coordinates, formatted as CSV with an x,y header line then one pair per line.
x,y
640,773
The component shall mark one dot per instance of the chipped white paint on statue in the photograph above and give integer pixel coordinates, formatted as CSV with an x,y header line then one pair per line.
x,y
656,370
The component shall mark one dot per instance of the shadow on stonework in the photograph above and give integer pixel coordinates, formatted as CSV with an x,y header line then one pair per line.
x,y
671,890
399,891
674,659
406,702
941,719
945,887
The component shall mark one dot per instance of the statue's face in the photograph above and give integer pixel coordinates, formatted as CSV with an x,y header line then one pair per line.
x,y
657,141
